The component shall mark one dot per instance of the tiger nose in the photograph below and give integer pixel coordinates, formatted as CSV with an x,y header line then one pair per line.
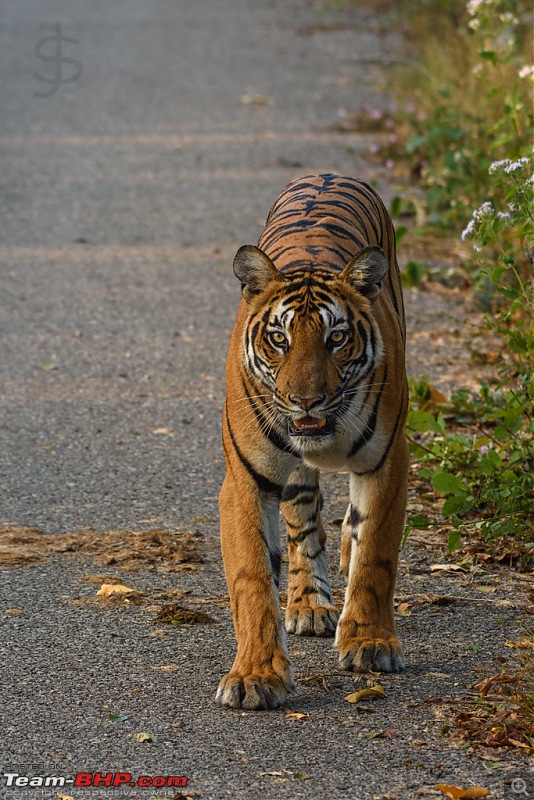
x,y
307,402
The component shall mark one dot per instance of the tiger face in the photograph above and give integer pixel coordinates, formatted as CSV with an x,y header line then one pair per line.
x,y
311,341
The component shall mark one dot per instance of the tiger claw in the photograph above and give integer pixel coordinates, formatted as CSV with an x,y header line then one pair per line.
x,y
319,621
364,655
253,692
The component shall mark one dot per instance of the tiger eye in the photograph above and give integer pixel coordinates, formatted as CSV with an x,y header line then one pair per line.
x,y
278,338
336,337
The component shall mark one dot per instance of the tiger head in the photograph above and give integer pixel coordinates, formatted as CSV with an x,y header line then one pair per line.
x,y
311,338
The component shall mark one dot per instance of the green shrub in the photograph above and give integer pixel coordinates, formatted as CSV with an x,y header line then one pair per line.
x,y
481,458
464,98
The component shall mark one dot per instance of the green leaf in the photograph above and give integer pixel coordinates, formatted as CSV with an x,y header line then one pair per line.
x,y
413,273
119,717
400,233
488,55
453,504
419,522
447,483
454,541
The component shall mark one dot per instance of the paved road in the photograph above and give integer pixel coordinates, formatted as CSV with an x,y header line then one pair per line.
x,y
125,194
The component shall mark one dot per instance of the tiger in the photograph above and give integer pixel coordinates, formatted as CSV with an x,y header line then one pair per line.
x,y
315,380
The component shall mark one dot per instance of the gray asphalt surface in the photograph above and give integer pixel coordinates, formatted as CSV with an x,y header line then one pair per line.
x,y
124,196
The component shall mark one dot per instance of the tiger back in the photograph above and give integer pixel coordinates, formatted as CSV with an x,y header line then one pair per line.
x,y
315,379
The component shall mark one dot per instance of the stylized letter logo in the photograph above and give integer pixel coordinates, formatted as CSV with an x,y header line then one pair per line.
x,y
58,59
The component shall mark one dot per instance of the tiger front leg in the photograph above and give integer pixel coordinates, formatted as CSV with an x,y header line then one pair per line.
x,y
366,637
261,676
310,610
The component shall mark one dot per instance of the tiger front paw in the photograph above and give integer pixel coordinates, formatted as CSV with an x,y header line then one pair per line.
x,y
311,621
254,692
377,651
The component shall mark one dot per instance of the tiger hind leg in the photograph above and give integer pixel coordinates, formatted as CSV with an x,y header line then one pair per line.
x,y
310,610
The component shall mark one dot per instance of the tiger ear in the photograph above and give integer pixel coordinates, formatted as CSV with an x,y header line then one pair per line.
x,y
254,269
366,271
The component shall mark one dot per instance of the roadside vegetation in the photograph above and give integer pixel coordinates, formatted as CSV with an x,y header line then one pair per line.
x,y
459,136
458,140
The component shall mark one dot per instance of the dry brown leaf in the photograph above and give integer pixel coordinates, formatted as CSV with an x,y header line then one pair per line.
x,y
436,398
167,668
447,568
174,614
254,98
143,737
372,691
516,743
108,589
458,793
524,643
14,611
166,551
296,715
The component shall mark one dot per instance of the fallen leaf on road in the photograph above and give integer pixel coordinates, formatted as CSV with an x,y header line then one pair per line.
x,y
276,774
255,99
447,568
119,717
114,588
296,715
522,643
143,737
174,614
457,793
374,735
371,691
167,668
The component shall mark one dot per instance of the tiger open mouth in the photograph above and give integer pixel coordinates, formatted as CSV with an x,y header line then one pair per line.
x,y
310,426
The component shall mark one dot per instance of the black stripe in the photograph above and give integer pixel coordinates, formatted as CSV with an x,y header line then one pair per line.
x,y
276,561
263,483
273,436
356,516
300,537
370,428
391,438
292,490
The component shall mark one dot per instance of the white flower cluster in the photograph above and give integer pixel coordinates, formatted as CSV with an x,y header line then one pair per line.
x,y
485,210
508,166
526,71
474,5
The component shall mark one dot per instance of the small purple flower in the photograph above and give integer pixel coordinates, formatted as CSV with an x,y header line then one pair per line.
x,y
375,113
390,163
483,449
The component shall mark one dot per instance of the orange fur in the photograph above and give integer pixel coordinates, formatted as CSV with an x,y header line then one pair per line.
x,y
315,378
